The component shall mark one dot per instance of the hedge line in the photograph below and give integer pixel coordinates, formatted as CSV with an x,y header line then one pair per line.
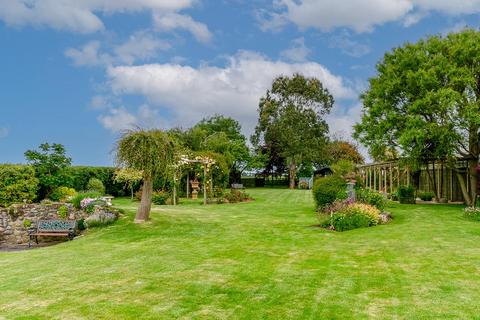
x,y
18,182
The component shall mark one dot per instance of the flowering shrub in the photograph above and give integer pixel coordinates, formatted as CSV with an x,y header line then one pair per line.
x,y
472,213
370,197
76,200
235,196
62,194
338,205
369,211
101,219
346,216
85,202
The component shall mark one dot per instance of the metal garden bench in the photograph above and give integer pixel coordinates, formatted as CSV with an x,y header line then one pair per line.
x,y
52,228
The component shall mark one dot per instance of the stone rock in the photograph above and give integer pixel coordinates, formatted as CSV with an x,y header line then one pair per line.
x,y
385,217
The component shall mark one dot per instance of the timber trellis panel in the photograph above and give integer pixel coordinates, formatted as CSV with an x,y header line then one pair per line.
x,y
387,176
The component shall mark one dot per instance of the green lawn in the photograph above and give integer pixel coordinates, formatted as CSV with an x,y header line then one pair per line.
x,y
255,260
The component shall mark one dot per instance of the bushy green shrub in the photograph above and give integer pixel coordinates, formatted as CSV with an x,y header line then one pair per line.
x,y
472,213
95,184
303,185
343,167
17,183
327,190
62,212
80,175
218,192
81,224
393,196
406,194
62,194
27,223
235,196
76,200
373,198
324,220
426,196
355,215
160,197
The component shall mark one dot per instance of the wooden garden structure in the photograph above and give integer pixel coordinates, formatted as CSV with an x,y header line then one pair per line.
x,y
206,162
387,176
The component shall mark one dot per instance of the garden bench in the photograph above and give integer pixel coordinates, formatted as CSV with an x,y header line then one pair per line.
x,y
237,186
52,228
107,199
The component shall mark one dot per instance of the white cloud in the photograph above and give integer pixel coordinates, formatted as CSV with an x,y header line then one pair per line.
x,y
119,119
190,94
342,119
360,15
4,132
102,102
140,46
413,18
270,21
348,46
165,22
298,52
88,55
77,15
458,26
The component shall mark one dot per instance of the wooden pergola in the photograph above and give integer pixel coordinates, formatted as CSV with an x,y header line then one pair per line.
x,y
389,175
384,176
206,163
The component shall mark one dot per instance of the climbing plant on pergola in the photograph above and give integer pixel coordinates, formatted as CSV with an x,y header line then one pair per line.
x,y
205,161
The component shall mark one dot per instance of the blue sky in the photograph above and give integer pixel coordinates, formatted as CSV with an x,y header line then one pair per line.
x,y
79,72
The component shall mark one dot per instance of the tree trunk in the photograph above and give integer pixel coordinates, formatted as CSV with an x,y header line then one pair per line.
x,y
435,182
441,194
131,192
472,167
292,171
432,179
463,187
143,210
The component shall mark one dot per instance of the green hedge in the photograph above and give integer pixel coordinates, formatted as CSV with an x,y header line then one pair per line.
x,y
253,182
327,190
371,197
17,183
406,194
81,175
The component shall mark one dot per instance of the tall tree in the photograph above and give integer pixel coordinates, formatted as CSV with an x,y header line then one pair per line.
x,y
50,162
218,134
129,177
424,103
291,118
344,150
149,151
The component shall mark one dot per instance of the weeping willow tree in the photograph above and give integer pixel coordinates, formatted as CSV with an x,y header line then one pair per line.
x,y
149,151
